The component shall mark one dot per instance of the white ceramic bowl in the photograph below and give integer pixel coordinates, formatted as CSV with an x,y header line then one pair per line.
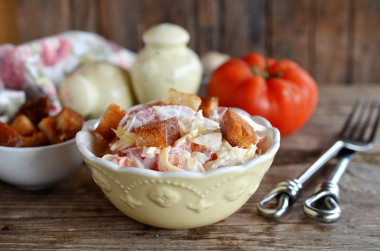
x,y
38,167
179,199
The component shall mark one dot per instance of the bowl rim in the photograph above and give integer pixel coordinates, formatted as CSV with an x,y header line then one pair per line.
x,y
51,146
87,154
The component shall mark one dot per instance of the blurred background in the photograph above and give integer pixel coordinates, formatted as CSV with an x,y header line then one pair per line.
x,y
337,41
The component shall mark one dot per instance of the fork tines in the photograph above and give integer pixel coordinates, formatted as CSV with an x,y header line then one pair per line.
x,y
363,121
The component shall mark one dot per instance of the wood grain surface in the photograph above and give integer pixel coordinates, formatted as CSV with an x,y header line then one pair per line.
x,y
292,37
332,30
75,214
366,28
336,41
8,22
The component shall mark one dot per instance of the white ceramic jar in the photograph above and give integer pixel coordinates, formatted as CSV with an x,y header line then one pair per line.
x,y
165,62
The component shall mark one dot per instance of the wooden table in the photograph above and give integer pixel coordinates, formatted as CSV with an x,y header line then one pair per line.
x,y
76,215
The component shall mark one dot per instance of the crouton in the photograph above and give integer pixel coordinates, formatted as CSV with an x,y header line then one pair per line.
x,y
110,120
47,126
23,125
208,104
158,133
175,97
35,109
37,139
68,123
236,130
9,137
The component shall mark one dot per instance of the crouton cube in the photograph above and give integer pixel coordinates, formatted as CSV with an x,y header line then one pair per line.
x,y
158,133
68,123
236,130
37,139
9,137
47,126
23,125
208,104
35,109
110,120
175,97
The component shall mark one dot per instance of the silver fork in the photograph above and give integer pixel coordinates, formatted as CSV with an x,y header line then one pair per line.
x,y
354,136
323,205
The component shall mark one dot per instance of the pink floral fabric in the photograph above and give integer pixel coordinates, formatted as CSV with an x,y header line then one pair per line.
x,y
54,52
39,67
11,68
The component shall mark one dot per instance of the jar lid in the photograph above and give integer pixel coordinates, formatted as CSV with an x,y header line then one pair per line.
x,y
166,34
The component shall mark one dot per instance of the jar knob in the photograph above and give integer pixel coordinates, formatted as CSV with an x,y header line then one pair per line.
x,y
166,34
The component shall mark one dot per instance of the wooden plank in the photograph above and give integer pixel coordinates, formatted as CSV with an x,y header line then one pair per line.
x,y
243,27
258,25
331,41
41,18
84,15
118,21
208,26
291,29
8,22
178,12
366,42
235,25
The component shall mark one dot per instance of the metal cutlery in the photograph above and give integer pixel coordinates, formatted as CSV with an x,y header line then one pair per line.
x,y
358,134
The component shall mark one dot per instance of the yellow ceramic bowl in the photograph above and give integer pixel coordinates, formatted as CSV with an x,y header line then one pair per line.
x,y
180,199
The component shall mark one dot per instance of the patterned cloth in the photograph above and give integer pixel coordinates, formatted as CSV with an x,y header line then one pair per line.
x,y
38,67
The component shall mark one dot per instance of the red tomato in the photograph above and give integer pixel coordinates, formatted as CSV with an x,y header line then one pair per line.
x,y
281,91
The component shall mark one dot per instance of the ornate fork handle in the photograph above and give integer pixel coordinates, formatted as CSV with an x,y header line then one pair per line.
x,y
286,193
323,205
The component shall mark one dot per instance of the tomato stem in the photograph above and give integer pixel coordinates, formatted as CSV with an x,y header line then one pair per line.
x,y
265,74
255,70
277,75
